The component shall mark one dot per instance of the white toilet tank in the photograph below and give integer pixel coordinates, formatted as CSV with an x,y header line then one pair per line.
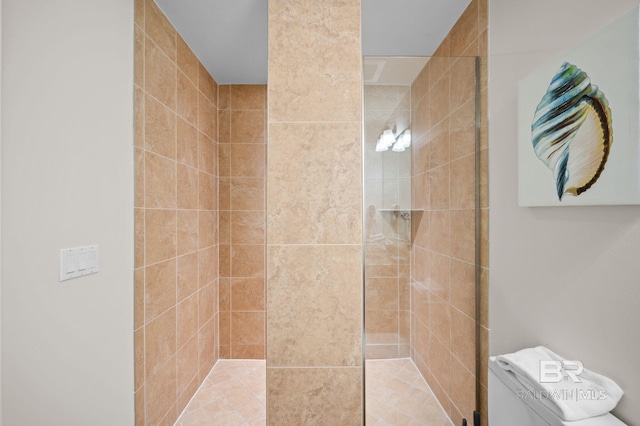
x,y
508,405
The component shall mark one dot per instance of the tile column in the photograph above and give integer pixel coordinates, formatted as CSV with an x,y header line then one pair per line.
x,y
314,213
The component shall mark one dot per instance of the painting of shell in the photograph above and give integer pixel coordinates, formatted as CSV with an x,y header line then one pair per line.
x,y
578,123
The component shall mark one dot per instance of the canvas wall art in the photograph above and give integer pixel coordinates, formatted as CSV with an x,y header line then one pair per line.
x,y
578,123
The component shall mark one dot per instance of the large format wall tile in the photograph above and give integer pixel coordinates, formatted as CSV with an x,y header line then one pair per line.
x,y
318,323
319,163
323,396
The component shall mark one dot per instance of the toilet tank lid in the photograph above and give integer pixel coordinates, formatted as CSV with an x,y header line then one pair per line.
x,y
509,379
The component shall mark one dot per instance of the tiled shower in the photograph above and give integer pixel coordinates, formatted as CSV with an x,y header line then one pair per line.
x,y
204,260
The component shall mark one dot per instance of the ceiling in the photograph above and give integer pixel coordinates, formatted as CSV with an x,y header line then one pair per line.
x,y
230,36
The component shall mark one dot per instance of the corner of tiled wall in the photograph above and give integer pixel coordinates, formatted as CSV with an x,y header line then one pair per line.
x,y
242,159
176,219
443,283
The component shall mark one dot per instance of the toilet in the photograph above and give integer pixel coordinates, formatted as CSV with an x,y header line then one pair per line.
x,y
507,407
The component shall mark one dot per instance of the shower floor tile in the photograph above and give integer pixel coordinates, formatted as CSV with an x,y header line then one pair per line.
x,y
234,394
396,394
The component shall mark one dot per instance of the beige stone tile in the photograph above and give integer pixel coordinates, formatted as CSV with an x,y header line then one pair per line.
x,y
421,191
187,275
463,73
440,320
187,99
439,276
381,294
326,82
187,365
440,189
247,193
298,211
139,118
439,144
225,332
139,13
420,301
187,60
224,126
247,294
331,396
381,327
187,144
207,156
463,131
160,343
462,389
206,349
247,260
224,294
224,227
206,111
160,181
138,57
463,339
160,288
207,84
248,96
160,75
440,238
139,407
225,260
206,228
420,85
248,351
247,126
381,352
160,128
207,304
322,324
463,235
224,194
247,160
187,182
160,235
139,178
404,297
159,29
187,324
421,265
421,117
247,227
139,217
439,100
207,266
160,393
465,30
247,328
187,231
463,182
440,364
463,287
438,67
224,97
138,337
138,308
206,194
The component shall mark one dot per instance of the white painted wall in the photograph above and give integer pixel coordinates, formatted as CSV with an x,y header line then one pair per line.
x,y
67,180
568,278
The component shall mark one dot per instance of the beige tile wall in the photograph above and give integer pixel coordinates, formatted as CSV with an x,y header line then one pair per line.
x,y
387,233
442,282
242,162
176,257
314,214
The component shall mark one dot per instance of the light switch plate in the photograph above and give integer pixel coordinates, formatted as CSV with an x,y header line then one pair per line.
x,y
78,262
